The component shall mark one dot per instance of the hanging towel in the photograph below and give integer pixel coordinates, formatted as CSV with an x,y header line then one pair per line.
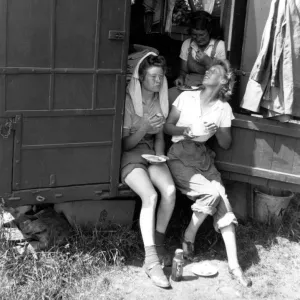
x,y
134,90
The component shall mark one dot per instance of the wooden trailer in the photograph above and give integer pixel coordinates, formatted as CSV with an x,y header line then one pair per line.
x,y
62,88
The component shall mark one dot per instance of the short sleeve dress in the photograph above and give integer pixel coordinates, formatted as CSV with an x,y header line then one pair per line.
x,y
131,123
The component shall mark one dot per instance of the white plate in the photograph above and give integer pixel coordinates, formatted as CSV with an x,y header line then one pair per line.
x,y
185,88
204,268
154,159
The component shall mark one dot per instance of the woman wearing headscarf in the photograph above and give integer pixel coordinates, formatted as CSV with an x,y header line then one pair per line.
x,y
146,109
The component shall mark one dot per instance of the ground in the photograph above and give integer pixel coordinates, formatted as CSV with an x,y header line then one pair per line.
x,y
107,264
272,279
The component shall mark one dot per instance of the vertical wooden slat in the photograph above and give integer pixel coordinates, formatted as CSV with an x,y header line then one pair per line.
x,y
117,134
52,51
3,37
243,146
263,150
97,41
283,154
126,41
17,153
296,162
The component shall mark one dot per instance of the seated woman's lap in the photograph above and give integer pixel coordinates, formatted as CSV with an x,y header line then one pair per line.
x,y
198,185
142,181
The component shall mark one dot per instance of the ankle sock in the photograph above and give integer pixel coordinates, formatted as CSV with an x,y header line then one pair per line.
x,y
151,255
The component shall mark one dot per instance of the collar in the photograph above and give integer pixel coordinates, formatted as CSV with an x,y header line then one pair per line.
x,y
218,105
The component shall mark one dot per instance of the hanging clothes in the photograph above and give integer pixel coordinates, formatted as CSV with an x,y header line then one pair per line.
x,y
274,83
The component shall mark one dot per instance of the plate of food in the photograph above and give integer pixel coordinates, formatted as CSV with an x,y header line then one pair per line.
x,y
154,159
188,88
204,268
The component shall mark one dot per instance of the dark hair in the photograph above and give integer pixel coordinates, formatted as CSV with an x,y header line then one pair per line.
x,y
227,89
151,61
201,20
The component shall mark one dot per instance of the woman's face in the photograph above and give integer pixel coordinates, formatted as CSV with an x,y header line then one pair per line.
x,y
153,79
214,76
201,37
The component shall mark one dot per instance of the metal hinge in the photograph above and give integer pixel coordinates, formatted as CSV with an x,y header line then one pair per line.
x,y
8,126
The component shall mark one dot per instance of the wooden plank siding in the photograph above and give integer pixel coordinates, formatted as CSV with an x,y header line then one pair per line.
x,y
263,152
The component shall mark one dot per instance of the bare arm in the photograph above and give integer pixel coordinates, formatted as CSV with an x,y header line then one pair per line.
x,y
130,141
152,123
183,71
223,136
170,127
159,143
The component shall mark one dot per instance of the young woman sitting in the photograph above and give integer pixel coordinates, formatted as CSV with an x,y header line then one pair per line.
x,y
146,109
195,117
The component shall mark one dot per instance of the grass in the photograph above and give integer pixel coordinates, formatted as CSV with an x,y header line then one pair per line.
x,y
59,272
94,262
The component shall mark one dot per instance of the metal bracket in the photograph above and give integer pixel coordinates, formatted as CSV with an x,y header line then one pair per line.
x,y
116,35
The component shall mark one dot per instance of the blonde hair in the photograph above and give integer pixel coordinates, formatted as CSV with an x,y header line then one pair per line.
x,y
226,90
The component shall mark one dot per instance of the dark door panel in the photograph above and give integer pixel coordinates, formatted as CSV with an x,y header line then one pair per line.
x,y
62,71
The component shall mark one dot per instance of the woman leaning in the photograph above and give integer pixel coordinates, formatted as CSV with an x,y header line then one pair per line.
x,y
146,108
195,117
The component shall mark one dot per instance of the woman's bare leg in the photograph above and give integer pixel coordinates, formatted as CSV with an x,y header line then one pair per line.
x,y
138,180
162,179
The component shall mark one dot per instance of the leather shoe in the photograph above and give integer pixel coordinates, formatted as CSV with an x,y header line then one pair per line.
x,y
156,274
238,274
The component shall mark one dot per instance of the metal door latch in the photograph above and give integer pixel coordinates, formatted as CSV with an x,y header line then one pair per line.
x,y
6,128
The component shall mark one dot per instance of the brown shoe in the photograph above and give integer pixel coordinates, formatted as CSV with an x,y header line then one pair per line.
x,y
239,275
156,274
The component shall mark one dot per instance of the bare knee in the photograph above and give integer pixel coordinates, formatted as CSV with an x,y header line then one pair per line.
x,y
149,200
169,194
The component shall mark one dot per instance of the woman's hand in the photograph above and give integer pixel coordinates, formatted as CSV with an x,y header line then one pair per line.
x,y
179,81
211,127
152,123
202,57
187,132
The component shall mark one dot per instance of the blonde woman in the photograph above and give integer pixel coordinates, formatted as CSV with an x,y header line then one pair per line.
x,y
195,117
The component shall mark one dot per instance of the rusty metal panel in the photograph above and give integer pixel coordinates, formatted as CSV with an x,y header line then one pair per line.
x,y
113,18
67,129
72,164
60,71
78,95
28,33
26,92
6,157
75,33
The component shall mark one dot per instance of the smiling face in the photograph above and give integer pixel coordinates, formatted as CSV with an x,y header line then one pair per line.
x,y
153,79
214,76
200,37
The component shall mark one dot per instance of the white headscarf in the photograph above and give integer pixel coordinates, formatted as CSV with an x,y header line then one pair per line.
x,y
135,91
